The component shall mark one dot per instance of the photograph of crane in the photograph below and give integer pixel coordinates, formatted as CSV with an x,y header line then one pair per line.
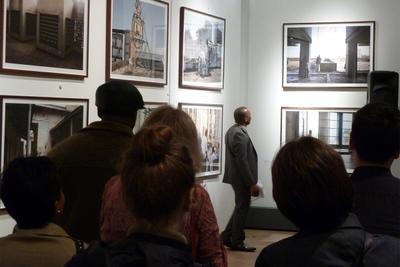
x,y
137,46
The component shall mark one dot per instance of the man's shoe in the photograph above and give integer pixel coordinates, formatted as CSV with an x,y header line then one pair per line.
x,y
227,242
242,247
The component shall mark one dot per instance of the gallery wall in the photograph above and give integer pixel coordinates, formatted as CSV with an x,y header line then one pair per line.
x,y
265,93
253,72
233,94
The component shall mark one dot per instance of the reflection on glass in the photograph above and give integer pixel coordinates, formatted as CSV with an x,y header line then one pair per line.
x,y
330,126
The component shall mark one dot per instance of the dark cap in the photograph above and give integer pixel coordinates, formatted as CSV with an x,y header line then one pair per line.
x,y
118,97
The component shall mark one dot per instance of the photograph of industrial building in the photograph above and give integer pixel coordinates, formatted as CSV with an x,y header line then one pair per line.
x,y
45,36
328,54
333,126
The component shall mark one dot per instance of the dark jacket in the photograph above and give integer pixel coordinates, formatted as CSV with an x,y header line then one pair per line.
x,y
377,200
241,158
138,249
85,162
339,247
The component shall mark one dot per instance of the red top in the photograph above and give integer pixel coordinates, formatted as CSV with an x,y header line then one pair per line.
x,y
201,231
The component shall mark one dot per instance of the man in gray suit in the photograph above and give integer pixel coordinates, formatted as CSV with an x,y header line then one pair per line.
x,y
241,173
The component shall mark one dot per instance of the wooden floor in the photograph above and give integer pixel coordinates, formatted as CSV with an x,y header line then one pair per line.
x,y
254,238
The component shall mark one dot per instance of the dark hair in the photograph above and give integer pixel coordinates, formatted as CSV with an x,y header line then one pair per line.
x,y
376,132
240,114
29,189
181,124
157,174
310,184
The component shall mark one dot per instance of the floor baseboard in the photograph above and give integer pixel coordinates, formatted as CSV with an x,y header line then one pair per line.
x,y
268,219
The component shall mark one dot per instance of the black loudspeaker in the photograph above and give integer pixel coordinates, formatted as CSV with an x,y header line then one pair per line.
x,y
383,86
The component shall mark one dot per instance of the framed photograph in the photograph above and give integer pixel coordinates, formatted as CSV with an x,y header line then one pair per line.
x,y
31,126
201,50
208,120
45,37
137,41
331,125
144,113
328,55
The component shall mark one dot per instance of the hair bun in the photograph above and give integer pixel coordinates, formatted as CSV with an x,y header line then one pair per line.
x,y
153,143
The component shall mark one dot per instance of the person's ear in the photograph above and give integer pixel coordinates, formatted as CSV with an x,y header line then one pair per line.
x,y
59,204
190,200
192,195
397,154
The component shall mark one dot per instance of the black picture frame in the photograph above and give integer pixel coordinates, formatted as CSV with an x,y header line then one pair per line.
x,y
31,126
331,125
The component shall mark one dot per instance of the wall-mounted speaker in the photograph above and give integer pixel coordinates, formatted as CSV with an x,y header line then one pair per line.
x,y
383,86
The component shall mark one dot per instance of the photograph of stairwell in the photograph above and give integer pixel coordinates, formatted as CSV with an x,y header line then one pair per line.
x,y
137,41
328,55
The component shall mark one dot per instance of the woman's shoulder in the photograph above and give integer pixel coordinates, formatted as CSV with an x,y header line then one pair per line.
x,y
136,249
47,246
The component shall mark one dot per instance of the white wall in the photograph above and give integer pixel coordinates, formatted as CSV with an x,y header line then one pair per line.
x,y
232,96
234,92
265,93
253,67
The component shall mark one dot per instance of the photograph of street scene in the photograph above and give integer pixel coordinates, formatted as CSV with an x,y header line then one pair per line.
x,y
208,121
202,50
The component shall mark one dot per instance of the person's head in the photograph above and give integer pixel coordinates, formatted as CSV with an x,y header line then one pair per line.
x,y
181,124
310,184
375,133
31,191
158,177
119,101
242,116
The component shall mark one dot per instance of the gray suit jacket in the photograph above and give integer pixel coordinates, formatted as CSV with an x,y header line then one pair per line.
x,y
241,158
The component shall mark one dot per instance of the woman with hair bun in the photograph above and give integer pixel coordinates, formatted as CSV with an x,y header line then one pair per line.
x,y
201,230
158,179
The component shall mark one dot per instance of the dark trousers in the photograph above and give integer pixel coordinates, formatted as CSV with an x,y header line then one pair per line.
x,y
235,227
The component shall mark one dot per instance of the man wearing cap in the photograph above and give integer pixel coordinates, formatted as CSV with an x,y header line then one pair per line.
x,y
88,159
